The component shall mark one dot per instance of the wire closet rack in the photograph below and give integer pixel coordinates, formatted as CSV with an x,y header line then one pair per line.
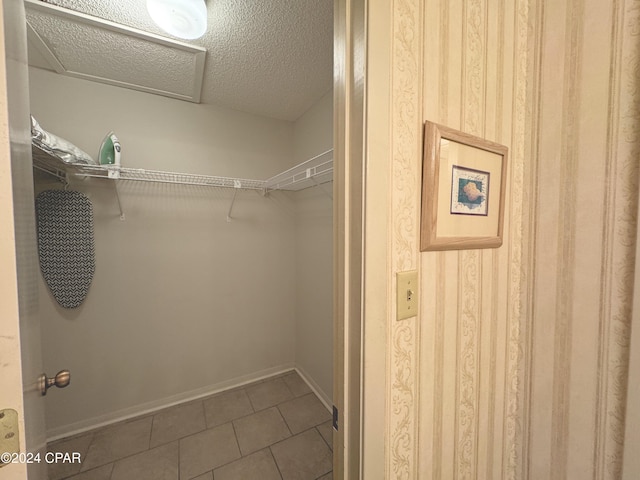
x,y
313,172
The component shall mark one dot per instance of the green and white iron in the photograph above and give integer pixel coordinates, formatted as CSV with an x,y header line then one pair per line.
x,y
110,154
110,150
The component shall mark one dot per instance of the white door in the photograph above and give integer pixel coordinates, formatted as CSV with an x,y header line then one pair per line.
x,y
20,352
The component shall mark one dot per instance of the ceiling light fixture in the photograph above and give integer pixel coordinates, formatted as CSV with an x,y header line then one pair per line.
x,y
181,18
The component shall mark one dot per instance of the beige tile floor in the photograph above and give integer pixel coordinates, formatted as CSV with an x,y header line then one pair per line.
x,y
275,429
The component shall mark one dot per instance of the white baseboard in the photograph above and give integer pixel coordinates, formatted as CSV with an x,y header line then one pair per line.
x,y
324,398
150,407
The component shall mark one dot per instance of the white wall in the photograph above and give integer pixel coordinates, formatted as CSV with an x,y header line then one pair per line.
x,y
161,133
313,134
181,301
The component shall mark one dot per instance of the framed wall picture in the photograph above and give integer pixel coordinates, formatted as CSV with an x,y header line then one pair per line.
x,y
463,190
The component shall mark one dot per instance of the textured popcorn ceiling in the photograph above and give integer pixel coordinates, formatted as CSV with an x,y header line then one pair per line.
x,y
268,57
84,50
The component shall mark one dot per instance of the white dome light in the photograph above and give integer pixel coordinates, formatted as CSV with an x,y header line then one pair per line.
x,y
181,18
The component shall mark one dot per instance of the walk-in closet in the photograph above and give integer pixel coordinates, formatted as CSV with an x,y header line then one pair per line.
x,y
212,238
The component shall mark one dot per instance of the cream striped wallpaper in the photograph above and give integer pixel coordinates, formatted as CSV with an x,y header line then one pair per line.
x,y
455,391
585,151
472,340
516,366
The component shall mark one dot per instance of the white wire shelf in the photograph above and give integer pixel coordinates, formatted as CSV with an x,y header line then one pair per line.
x,y
157,176
50,164
315,171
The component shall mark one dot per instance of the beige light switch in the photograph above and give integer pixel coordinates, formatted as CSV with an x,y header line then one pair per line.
x,y
407,301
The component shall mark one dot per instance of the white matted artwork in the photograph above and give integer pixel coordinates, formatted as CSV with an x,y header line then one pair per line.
x,y
464,183
469,191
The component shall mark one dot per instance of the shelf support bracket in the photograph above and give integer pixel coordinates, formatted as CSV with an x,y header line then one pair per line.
x,y
329,194
236,186
115,186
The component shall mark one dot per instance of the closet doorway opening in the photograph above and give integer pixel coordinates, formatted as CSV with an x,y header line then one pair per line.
x,y
211,270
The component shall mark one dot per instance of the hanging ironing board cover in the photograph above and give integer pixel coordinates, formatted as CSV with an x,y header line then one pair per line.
x,y
65,244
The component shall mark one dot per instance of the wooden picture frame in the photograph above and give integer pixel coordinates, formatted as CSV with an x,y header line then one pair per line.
x,y
463,190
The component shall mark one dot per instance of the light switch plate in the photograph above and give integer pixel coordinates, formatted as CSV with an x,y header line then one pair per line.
x,y
407,294
9,439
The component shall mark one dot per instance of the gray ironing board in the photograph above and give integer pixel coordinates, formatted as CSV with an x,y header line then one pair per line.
x,y
65,244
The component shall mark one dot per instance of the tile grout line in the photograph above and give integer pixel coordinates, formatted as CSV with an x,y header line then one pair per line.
x,y
301,433
153,419
249,397
126,418
95,434
253,411
68,477
242,457
206,427
284,420
322,436
275,462
298,434
205,424
235,435
112,463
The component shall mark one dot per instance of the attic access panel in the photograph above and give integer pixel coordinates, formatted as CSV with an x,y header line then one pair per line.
x,y
82,46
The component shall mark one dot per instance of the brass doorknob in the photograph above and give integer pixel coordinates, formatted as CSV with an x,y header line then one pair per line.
x,y
61,380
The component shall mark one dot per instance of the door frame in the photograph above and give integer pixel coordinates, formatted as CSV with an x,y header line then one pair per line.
x,y
20,347
10,363
349,165
631,460
348,248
